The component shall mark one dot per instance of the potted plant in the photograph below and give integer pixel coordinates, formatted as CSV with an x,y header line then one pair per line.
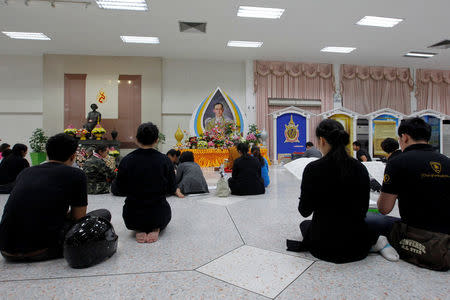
x,y
37,144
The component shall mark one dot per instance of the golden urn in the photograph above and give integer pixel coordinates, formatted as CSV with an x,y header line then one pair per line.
x,y
179,135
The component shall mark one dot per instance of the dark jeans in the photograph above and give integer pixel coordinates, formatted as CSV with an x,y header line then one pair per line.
x,y
380,224
54,252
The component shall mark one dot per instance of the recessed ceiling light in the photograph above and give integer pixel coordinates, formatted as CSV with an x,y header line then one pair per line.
x,y
338,49
244,44
123,4
260,12
27,35
378,21
420,54
140,39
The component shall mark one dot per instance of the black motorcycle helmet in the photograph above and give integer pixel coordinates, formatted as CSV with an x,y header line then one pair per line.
x,y
90,241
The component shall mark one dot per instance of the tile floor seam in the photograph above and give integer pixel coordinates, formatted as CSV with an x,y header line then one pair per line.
x,y
235,226
232,284
98,275
294,280
219,257
275,251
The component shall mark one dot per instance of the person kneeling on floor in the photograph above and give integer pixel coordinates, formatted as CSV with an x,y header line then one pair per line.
x,y
99,175
36,216
420,179
190,179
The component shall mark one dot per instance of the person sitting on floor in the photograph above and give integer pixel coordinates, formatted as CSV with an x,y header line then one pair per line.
x,y
3,147
145,177
5,154
11,166
311,151
174,156
336,190
391,147
99,175
420,179
256,152
361,154
36,216
246,176
190,179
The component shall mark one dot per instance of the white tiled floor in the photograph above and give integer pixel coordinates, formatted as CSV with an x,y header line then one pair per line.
x,y
231,236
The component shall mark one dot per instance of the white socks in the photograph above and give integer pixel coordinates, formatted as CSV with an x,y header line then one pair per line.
x,y
385,249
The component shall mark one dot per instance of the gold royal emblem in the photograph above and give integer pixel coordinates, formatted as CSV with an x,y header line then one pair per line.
x,y
291,132
437,167
101,96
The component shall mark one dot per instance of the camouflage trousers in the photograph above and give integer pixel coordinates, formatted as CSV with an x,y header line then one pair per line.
x,y
98,187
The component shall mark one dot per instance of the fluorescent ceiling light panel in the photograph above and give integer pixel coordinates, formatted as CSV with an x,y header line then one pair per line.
x,y
420,54
27,35
140,39
123,4
338,49
244,44
378,21
260,12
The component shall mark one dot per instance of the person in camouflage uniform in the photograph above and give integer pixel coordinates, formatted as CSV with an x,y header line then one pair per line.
x,y
99,175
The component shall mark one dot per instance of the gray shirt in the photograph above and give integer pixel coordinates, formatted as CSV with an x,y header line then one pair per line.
x,y
312,152
190,179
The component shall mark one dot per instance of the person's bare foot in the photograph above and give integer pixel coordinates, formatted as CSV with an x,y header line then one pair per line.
x,y
179,193
141,237
152,236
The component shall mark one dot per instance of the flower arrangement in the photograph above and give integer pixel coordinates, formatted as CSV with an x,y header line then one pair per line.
x,y
251,138
81,133
113,152
81,156
255,132
202,145
98,131
70,130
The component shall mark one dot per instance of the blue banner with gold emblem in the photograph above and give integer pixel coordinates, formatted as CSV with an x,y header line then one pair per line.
x,y
291,134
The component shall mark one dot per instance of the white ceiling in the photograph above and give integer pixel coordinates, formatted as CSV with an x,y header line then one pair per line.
x,y
306,27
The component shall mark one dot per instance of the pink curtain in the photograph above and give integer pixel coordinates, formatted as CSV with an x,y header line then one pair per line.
x,y
286,80
433,90
367,89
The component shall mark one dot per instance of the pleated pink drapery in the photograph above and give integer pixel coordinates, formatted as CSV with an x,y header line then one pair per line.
x,y
290,80
367,89
433,90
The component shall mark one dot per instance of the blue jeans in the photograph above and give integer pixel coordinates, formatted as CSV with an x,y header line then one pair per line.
x,y
380,224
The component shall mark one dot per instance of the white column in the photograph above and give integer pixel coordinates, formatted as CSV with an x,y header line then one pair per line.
x,y
274,140
308,117
250,100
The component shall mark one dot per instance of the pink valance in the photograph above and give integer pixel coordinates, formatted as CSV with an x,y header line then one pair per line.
x,y
377,73
435,76
293,69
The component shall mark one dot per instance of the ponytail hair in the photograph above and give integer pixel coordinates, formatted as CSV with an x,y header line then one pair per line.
x,y
243,149
335,135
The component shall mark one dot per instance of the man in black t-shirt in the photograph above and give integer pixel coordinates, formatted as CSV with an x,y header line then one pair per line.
x,y
420,179
36,215
361,154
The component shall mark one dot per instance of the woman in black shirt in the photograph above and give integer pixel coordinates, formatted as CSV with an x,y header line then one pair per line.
x,y
336,188
11,166
145,177
246,177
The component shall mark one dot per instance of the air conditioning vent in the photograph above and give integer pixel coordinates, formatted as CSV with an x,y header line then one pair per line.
x,y
192,27
445,44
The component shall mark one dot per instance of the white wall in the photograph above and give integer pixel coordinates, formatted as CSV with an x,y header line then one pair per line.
x,y
20,97
188,82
